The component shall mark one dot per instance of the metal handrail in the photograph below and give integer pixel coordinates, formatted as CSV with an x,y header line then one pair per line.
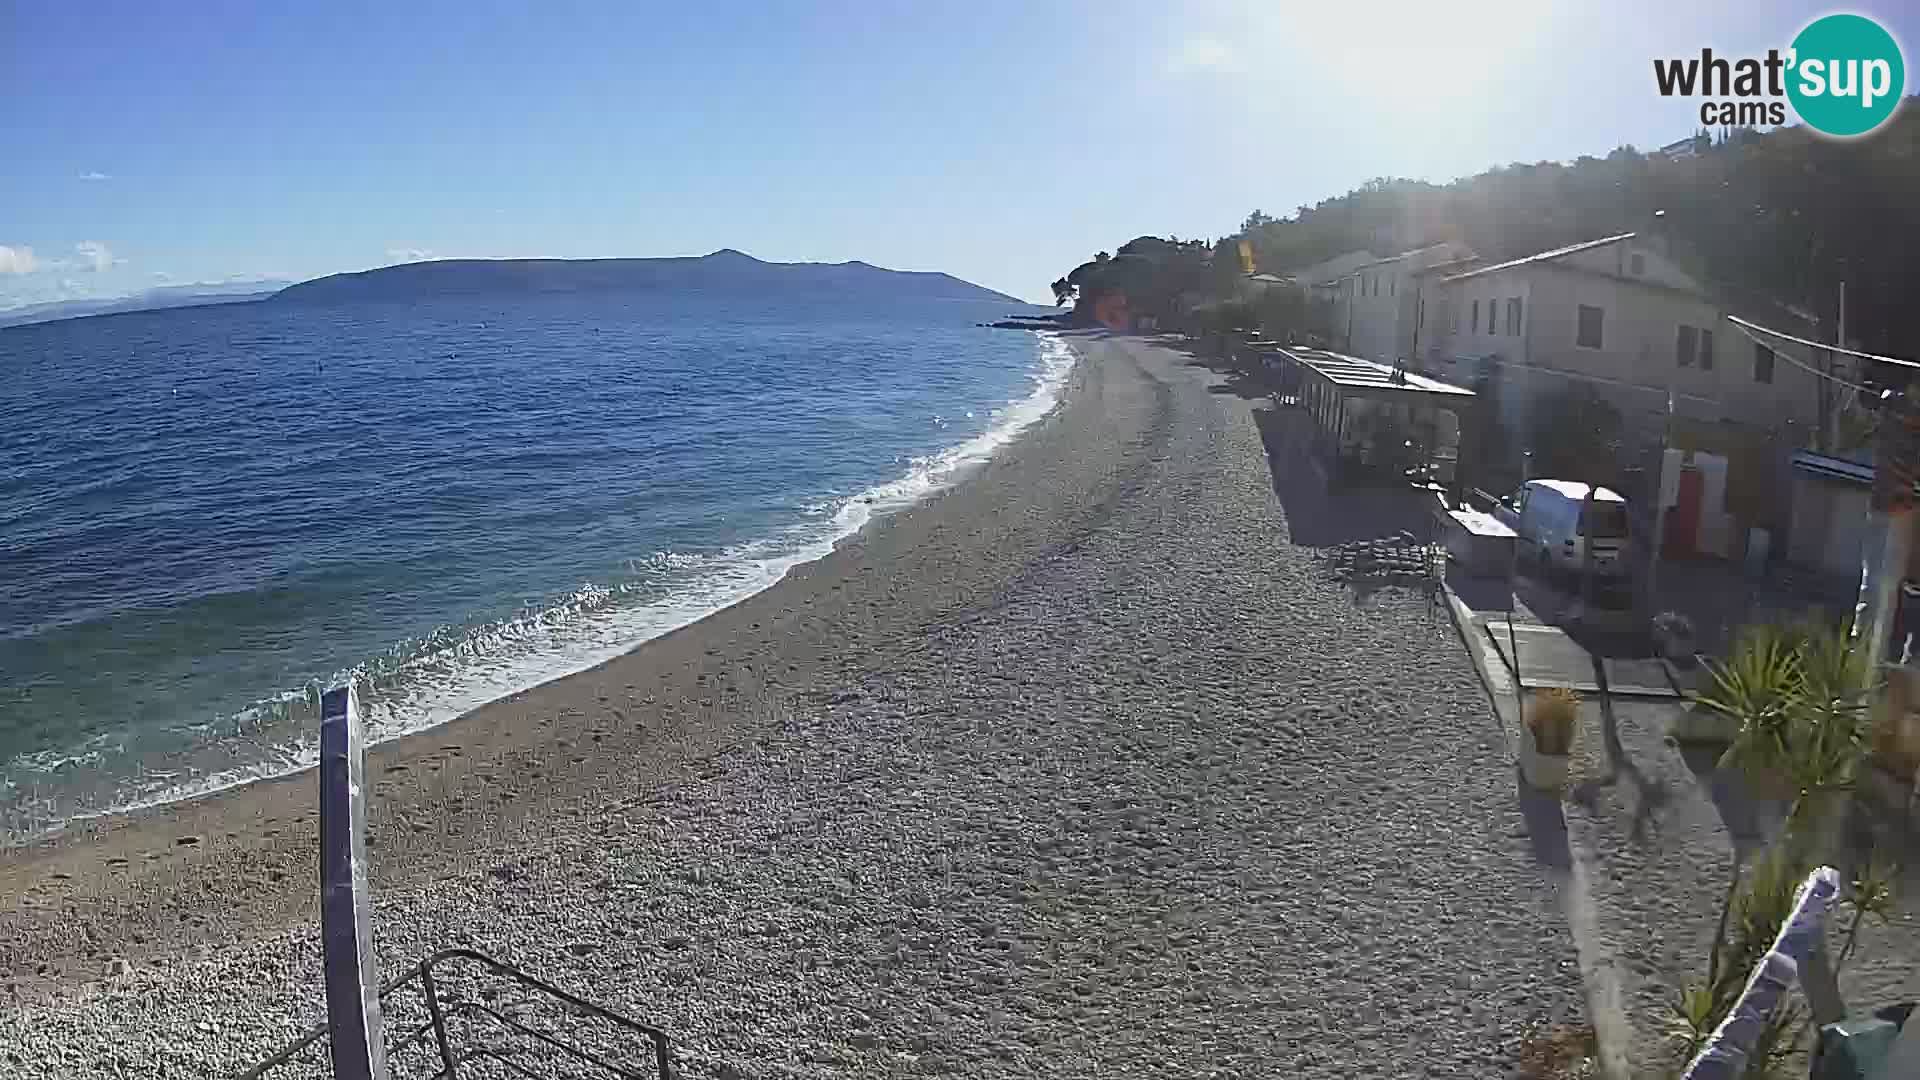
x,y
440,1011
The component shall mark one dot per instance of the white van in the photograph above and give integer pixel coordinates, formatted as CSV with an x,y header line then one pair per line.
x,y
1545,515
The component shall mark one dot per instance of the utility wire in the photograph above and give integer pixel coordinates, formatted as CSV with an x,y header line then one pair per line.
x,y
1749,329
1735,320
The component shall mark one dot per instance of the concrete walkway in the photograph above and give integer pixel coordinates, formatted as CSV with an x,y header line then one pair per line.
x,y
1644,836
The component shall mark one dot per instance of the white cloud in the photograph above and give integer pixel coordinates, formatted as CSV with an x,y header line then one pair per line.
x,y
409,254
17,260
94,256
1205,54
95,176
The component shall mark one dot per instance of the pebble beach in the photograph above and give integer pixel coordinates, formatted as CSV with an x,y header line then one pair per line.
x,y
1084,767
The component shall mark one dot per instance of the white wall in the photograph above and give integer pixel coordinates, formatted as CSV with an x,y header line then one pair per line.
x,y
1378,304
1386,304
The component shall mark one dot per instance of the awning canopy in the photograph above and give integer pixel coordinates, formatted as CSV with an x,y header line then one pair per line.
x,y
1353,375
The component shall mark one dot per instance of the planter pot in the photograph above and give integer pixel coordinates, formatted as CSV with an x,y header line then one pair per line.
x,y
1546,771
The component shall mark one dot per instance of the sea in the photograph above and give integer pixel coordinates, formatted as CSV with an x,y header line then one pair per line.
x,y
209,514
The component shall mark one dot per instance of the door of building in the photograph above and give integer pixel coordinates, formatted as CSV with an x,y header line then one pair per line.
x,y
1683,521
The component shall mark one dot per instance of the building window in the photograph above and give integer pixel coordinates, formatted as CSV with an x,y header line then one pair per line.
x,y
1638,263
1513,317
1693,344
1762,363
1588,335
1474,327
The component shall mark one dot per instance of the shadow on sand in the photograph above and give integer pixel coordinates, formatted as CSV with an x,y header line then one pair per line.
x,y
1317,517
1546,823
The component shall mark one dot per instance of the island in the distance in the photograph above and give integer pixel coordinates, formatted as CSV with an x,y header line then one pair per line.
x,y
725,269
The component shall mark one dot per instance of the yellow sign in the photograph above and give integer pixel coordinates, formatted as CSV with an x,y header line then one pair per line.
x,y
1246,256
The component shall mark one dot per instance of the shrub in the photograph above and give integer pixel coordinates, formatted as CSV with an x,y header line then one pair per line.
x,y
1551,716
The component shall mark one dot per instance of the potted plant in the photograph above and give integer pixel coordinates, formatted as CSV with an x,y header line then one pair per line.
x,y
1546,736
1673,636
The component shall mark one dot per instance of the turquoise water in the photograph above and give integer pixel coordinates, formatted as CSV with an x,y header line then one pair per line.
x,y
206,513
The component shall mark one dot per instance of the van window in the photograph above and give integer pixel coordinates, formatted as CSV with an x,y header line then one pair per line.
x,y
1606,520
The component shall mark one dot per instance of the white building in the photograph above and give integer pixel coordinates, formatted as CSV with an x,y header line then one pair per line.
x,y
1619,316
1381,301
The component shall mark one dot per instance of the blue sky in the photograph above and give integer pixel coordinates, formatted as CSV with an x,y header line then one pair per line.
x,y
150,144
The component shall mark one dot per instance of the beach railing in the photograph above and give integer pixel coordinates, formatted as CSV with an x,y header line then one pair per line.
x,y
461,1013
457,1013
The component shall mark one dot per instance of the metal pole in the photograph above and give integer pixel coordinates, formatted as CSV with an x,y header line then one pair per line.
x,y
1659,504
1513,640
1829,393
1586,553
1840,331
355,1033
1890,542
437,1016
1884,560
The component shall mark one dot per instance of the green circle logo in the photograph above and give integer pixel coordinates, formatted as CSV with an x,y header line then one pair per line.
x,y
1846,75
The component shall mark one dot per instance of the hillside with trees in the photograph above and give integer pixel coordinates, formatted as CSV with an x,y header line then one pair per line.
x,y
1767,218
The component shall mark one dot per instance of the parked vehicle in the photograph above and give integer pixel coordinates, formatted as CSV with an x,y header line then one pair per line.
x,y
1554,523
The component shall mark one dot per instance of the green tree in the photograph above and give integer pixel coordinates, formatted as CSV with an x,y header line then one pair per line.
x,y
1783,214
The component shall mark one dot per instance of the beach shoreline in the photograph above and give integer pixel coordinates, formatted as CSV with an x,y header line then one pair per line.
x,y
1086,766
590,625
119,888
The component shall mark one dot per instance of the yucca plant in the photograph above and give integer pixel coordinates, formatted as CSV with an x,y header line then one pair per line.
x,y
1801,695
1758,687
